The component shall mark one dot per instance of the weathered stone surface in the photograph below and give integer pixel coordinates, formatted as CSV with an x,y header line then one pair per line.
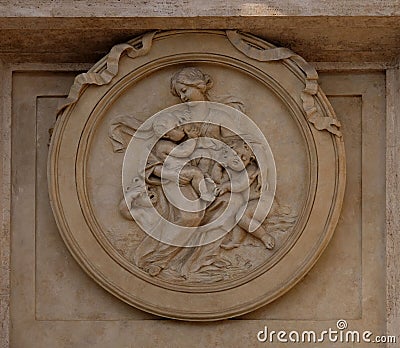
x,y
75,307
5,193
392,200
193,8
350,37
320,38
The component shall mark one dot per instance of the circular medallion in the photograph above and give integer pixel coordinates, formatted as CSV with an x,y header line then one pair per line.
x,y
197,175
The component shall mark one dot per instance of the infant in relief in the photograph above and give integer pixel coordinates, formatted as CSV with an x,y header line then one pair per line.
x,y
167,146
239,160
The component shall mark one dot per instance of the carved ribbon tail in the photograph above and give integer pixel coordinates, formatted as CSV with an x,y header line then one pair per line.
x,y
105,76
314,116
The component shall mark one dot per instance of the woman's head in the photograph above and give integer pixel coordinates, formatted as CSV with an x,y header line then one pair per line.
x,y
191,84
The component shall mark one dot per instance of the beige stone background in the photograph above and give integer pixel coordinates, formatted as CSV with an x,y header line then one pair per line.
x,y
46,300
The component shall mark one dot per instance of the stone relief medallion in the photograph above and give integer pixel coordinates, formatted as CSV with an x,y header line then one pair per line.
x,y
197,175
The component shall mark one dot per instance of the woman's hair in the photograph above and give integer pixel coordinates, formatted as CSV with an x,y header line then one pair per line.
x,y
192,77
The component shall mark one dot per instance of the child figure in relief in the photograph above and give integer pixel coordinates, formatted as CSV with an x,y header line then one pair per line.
x,y
180,162
244,158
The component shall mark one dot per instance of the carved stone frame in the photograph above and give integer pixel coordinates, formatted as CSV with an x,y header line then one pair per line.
x,y
310,107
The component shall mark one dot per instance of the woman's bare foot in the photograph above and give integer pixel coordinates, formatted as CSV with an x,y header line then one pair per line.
x,y
268,241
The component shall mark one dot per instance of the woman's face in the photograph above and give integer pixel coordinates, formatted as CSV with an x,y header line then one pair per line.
x,y
189,93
